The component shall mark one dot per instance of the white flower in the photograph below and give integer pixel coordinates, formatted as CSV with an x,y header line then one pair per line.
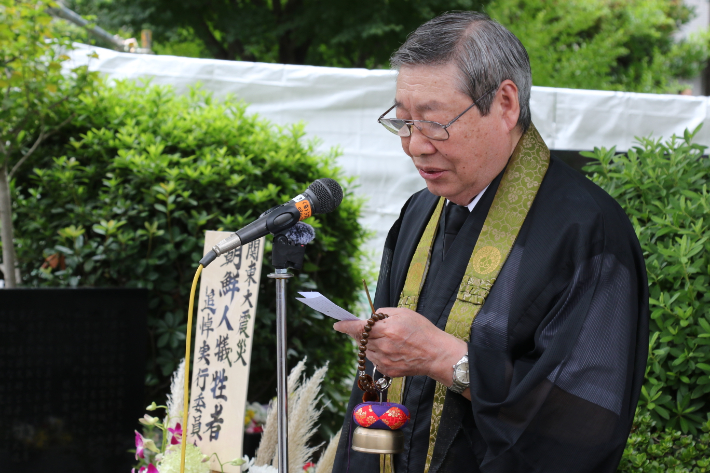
x,y
148,420
248,463
263,469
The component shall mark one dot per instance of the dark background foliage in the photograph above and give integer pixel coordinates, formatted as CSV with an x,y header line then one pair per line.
x,y
320,32
630,45
123,197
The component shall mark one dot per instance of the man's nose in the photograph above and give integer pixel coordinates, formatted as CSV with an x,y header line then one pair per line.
x,y
418,143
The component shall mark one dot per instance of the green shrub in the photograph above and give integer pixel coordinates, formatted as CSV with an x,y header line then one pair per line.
x,y
663,187
666,451
123,199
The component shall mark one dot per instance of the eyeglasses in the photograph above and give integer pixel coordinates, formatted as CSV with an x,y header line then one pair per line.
x,y
432,130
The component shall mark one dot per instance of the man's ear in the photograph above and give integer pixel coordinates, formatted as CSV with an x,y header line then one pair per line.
x,y
508,103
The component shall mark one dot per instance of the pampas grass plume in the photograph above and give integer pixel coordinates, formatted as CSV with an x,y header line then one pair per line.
x,y
176,400
302,416
327,459
269,438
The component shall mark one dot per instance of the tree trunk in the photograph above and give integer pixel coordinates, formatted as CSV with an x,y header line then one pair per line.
x,y
289,52
6,231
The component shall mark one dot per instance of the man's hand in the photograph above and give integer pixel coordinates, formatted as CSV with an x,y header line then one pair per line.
x,y
408,344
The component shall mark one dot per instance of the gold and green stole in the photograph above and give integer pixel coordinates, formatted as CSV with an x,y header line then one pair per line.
x,y
512,201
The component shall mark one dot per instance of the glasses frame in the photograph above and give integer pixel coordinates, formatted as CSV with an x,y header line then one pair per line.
x,y
410,123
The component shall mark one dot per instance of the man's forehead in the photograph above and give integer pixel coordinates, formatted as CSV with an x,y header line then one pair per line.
x,y
427,88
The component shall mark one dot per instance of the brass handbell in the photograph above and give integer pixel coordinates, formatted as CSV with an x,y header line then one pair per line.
x,y
378,423
378,440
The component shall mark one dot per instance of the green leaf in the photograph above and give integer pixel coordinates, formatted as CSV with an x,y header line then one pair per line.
x,y
64,249
662,412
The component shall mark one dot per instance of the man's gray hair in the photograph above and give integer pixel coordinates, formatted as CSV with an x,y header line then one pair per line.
x,y
485,52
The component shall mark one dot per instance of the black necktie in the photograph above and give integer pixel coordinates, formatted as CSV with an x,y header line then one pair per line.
x,y
456,215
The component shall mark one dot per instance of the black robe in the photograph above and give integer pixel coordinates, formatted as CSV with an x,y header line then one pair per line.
x,y
557,353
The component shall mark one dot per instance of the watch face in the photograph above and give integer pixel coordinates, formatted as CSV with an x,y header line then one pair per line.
x,y
462,373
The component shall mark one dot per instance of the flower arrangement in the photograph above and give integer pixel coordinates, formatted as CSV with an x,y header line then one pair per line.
x,y
166,459
158,448
309,467
255,418
154,459
168,433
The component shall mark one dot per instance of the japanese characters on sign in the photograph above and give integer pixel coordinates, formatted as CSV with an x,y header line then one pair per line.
x,y
225,325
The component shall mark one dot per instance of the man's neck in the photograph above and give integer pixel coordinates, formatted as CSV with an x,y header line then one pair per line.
x,y
474,201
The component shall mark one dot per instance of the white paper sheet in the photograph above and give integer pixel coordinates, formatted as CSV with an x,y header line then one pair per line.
x,y
317,301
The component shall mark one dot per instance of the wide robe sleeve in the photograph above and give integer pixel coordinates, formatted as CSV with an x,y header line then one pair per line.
x,y
558,352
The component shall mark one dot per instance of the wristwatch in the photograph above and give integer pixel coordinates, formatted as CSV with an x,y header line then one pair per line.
x,y
460,376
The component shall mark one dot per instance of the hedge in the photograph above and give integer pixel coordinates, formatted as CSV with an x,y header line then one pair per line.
x,y
124,196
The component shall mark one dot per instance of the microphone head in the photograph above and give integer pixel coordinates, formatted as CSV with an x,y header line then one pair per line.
x,y
328,195
301,234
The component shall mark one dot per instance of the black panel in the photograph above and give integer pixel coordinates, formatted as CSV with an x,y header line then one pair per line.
x,y
72,369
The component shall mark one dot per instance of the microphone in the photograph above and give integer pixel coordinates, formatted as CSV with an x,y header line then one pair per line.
x,y
290,246
300,234
322,196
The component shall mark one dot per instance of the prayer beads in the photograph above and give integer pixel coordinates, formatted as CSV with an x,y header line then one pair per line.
x,y
365,382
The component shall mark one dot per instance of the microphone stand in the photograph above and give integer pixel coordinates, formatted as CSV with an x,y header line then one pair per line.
x,y
281,276
284,255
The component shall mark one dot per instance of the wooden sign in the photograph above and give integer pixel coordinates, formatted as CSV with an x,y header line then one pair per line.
x,y
224,332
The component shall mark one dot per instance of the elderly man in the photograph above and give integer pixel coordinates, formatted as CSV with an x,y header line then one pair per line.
x,y
515,288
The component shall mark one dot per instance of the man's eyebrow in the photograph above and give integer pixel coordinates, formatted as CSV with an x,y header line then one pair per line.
x,y
424,107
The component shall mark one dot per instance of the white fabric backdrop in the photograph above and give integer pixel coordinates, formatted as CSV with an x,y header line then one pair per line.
x,y
341,106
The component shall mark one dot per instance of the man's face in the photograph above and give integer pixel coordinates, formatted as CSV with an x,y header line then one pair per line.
x,y
478,147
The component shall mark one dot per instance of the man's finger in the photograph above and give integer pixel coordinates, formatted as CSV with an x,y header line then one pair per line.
x,y
350,327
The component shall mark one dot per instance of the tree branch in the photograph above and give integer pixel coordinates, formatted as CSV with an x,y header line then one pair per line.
x,y
5,152
6,102
236,49
18,128
64,99
212,39
6,105
8,61
42,136
21,125
29,153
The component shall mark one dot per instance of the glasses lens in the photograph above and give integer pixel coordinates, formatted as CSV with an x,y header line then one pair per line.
x,y
396,126
432,130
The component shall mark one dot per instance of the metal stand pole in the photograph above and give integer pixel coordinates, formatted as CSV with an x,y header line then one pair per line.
x,y
281,275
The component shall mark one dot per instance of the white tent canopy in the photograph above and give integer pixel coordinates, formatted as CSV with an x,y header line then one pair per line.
x,y
341,106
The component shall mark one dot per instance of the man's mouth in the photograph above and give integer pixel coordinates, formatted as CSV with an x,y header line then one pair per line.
x,y
431,173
